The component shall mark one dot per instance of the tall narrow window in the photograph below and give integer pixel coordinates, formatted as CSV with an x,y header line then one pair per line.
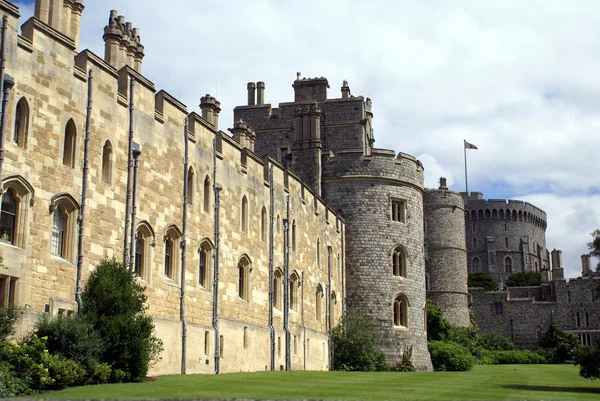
x,y
243,278
498,308
398,210
398,263
8,219
139,255
263,224
172,253
203,268
284,157
21,123
190,186
319,303
294,289
294,236
64,223
244,217
107,152
400,311
475,243
8,290
587,319
506,242
578,320
476,265
206,194
144,242
277,290
70,144
508,265
206,342
318,253
169,258
59,223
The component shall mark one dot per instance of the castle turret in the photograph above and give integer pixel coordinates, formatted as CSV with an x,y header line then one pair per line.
x,y
244,135
557,269
446,253
62,15
211,108
307,146
310,89
586,265
122,43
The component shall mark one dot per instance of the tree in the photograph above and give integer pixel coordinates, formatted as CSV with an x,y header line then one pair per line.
x,y
8,316
557,345
588,359
355,344
438,327
482,279
594,246
524,279
114,303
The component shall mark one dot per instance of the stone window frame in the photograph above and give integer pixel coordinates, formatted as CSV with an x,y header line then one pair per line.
x,y
172,238
144,235
106,170
400,312
318,252
278,289
398,210
264,226
508,264
399,261
21,125
69,148
24,195
67,205
191,185
475,267
319,293
295,284
206,194
293,239
244,215
244,267
206,247
498,308
9,290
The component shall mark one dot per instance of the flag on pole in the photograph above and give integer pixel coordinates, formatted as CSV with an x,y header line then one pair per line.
x,y
470,146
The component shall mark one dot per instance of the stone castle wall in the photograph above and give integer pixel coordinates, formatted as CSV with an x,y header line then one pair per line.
x,y
446,253
52,77
497,229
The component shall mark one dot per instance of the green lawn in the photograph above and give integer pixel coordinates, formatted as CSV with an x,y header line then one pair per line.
x,y
500,382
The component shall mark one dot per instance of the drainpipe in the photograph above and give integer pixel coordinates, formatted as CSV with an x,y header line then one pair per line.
x,y
286,288
136,151
271,267
215,312
328,317
84,182
303,325
129,173
7,83
183,249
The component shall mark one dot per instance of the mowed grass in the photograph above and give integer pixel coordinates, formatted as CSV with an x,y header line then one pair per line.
x,y
500,382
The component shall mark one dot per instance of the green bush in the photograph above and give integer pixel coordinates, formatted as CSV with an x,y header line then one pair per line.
x,y
511,357
558,346
449,356
10,385
114,303
524,279
26,360
438,327
355,345
8,316
63,372
482,279
588,359
73,338
495,342
467,337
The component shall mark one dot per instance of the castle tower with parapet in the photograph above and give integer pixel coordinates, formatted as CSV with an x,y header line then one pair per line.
x,y
504,236
328,142
446,253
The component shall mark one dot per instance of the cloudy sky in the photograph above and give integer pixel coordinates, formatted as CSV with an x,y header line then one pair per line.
x,y
517,79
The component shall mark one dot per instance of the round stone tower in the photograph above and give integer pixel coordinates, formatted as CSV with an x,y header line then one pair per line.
x,y
446,253
504,236
381,198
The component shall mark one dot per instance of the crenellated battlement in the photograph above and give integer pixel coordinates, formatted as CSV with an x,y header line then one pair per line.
x,y
503,209
123,44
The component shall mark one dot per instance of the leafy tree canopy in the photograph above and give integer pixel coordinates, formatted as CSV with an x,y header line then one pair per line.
x,y
438,327
524,279
594,246
482,279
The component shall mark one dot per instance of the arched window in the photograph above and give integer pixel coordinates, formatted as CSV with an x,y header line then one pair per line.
x,y
64,222
487,214
206,194
480,214
476,265
473,215
587,319
294,235
263,225
107,153
538,332
319,253
243,278
578,320
536,266
319,303
191,188
21,123
144,240
70,144
8,219
508,265
506,242
244,216
398,262
172,237
278,289
427,282
294,290
400,311
204,264
475,243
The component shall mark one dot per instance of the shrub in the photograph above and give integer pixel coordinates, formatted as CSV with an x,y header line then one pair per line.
x,y
63,372
467,337
524,279
8,316
73,338
588,359
495,342
114,303
482,279
557,346
449,356
26,362
511,357
438,327
355,345
10,385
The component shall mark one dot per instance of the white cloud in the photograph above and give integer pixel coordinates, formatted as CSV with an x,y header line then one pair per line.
x,y
518,79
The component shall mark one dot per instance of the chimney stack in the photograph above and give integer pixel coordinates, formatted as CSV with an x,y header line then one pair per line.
x,y
260,93
557,269
251,93
244,135
345,90
443,183
211,108
586,265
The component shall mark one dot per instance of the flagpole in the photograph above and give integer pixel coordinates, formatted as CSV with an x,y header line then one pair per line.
x,y
466,181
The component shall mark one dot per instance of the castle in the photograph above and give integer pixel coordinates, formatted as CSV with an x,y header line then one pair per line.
x,y
252,244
